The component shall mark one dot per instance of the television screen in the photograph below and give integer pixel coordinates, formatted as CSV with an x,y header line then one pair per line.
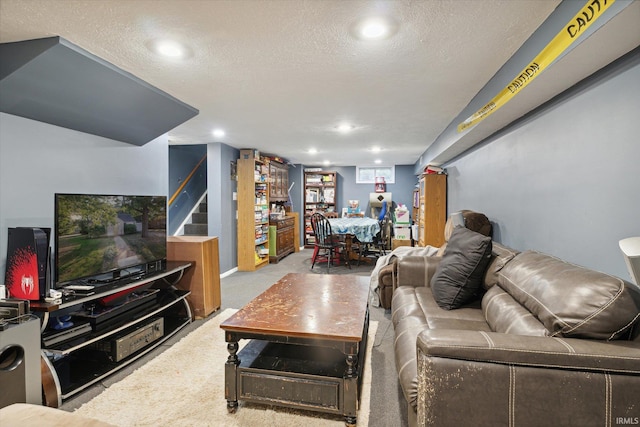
x,y
104,237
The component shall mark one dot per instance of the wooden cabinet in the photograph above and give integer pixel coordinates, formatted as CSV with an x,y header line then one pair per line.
x,y
281,238
320,196
415,211
279,182
203,278
433,209
253,211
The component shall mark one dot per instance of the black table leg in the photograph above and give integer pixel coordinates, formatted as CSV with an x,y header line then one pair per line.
x,y
230,374
351,390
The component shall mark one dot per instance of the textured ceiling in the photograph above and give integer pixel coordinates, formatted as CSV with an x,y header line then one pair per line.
x,y
279,76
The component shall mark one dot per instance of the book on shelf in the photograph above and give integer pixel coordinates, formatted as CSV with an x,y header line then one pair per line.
x,y
329,194
312,195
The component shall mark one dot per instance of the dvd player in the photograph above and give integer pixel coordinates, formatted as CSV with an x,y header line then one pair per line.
x,y
101,317
53,337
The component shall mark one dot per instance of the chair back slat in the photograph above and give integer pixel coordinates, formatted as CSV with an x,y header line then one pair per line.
x,y
321,229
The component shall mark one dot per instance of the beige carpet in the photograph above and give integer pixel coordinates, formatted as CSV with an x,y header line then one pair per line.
x,y
184,386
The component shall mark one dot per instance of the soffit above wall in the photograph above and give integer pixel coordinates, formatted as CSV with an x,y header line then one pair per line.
x,y
54,81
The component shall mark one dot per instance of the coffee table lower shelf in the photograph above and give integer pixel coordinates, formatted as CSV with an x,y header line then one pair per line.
x,y
295,376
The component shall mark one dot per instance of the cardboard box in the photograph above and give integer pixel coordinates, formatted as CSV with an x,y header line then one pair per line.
x,y
397,242
402,217
401,232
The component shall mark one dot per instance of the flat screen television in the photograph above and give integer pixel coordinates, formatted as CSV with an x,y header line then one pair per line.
x,y
106,238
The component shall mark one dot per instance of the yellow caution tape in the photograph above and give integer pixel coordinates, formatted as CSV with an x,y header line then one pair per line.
x,y
583,20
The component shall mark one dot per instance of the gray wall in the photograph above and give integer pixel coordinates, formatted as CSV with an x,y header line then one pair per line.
x,y
563,180
221,206
182,160
38,160
439,151
401,190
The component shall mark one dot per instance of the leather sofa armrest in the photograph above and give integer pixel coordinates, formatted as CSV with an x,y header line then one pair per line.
x,y
546,352
416,270
503,379
387,282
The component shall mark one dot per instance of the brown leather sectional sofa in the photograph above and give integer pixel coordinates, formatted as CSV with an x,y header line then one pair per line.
x,y
547,343
474,221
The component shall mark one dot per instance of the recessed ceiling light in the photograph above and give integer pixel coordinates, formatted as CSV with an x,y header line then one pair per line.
x,y
374,28
169,48
345,127
313,151
326,163
376,149
218,133
377,161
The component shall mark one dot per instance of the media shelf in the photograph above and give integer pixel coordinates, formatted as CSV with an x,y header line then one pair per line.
x,y
99,341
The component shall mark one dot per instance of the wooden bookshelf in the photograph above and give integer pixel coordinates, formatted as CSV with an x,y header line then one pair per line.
x,y
320,195
253,211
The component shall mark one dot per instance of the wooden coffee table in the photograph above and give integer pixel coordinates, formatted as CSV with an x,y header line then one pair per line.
x,y
308,337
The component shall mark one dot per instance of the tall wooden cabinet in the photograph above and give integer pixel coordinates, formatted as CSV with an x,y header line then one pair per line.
x,y
279,182
319,196
253,211
433,209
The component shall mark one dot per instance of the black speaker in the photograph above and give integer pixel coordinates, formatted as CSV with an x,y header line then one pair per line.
x,y
20,362
28,255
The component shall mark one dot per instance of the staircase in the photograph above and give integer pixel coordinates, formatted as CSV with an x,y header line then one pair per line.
x,y
199,219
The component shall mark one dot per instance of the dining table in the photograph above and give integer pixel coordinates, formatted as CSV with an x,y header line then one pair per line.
x,y
363,229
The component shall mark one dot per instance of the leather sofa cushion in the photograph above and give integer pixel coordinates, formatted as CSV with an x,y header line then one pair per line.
x,y
500,256
458,278
505,315
418,302
569,300
454,324
416,270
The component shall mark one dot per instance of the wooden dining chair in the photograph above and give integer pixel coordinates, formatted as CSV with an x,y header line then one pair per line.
x,y
381,241
327,244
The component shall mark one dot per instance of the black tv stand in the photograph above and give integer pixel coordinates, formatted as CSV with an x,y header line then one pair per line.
x,y
89,346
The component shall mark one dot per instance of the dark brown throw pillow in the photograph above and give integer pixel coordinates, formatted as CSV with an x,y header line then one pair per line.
x,y
458,278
